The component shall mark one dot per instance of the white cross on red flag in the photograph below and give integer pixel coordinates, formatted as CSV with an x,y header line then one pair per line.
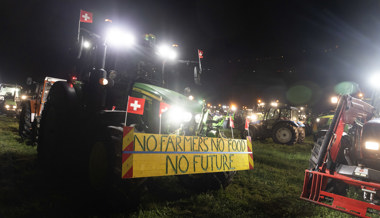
x,y
163,107
135,105
200,53
246,127
85,16
232,122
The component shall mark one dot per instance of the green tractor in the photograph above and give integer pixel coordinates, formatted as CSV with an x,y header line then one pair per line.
x,y
119,125
282,123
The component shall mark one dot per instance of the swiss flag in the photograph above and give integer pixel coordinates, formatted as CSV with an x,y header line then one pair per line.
x,y
246,124
135,105
85,16
200,53
232,122
163,107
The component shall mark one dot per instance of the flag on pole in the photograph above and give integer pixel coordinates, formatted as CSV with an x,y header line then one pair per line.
x,y
163,107
85,16
246,124
200,54
135,105
231,122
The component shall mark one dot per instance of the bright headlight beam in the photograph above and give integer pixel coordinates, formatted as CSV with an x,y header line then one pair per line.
x,y
117,37
177,115
372,145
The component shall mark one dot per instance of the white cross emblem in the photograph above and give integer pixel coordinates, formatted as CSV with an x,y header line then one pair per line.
x,y
135,105
86,17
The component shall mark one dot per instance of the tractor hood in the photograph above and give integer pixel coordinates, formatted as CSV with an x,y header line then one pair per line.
x,y
167,96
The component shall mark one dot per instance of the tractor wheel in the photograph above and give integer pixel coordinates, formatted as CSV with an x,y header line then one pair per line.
x,y
301,134
102,158
25,126
285,133
57,142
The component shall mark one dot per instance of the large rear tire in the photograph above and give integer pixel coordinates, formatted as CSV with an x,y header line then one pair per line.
x,y
285,133
57,140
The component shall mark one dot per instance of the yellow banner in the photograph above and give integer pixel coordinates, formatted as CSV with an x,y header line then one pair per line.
x,y
148,155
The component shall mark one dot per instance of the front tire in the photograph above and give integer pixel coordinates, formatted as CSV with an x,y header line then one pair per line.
x,y
25,124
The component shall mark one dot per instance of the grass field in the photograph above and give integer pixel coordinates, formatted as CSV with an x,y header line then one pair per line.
x,y
272,189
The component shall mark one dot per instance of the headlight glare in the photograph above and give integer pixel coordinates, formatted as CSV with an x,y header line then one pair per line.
x,y
177,115
372,145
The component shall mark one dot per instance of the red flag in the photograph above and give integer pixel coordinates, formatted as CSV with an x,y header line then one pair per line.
x,y
246,124
200,53
163,107
231,122
136,105
85,16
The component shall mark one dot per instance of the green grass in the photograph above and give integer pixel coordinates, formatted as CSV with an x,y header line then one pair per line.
x,y
272,189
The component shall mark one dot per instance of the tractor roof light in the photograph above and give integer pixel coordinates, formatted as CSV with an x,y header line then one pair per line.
x,y
166,52
274,104
334,100
118,37
375,80
86,44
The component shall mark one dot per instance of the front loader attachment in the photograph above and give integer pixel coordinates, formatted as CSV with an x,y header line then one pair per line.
x,y
314,190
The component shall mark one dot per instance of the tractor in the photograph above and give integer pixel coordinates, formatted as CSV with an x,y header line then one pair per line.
x,y
118,124
10,98
344,163
31,108
281,123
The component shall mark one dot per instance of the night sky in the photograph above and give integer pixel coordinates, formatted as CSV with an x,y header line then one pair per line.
x,y
266,49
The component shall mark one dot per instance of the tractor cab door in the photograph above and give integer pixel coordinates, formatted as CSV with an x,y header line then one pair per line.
x,y
271,118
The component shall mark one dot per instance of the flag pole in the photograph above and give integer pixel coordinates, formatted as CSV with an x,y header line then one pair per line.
x,y
159,128
126,113
79,26
232,130
200,65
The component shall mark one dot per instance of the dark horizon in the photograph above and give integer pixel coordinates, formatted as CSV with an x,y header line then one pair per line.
x,y
250,51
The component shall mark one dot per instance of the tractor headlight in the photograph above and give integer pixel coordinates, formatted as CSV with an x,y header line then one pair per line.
x,y
14,106
23,97
7,106
372,145
317,120
178,115
198,118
